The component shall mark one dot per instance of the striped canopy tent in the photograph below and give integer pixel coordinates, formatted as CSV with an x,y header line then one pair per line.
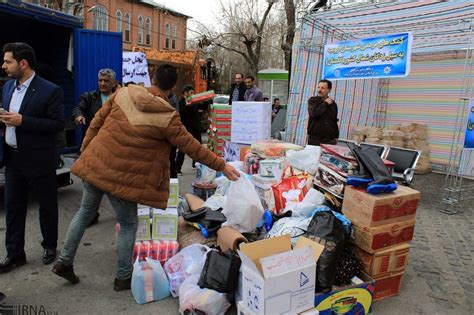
x,y
432,94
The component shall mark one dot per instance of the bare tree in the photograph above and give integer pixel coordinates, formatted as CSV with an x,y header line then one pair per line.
x,y
286,46
243,26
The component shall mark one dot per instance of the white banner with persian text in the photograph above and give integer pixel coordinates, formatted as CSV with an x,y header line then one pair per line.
x,y
251,121
135,68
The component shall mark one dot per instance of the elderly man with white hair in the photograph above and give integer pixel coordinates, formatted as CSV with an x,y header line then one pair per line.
x,y
90,104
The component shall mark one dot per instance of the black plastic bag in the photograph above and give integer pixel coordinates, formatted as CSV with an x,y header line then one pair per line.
x,y
220,271
208,220
327,230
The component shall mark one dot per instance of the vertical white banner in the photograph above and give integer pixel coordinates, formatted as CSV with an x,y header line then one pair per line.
x,y
251,121
135,68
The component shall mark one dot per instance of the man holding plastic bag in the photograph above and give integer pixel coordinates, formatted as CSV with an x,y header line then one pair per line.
x,y
125,154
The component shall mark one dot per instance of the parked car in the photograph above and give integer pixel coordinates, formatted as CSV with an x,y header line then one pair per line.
x,y
222,99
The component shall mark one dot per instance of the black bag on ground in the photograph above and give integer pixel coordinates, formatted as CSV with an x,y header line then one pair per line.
x,y
209,220
220,271
327,230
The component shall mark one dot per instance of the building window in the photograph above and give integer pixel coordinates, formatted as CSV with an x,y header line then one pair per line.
x,y
127,27
101,18
167,35
118,20
148,31
140,30
173,37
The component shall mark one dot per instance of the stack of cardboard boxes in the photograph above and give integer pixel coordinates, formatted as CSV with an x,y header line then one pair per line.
x,y
219,127
157,232
382,227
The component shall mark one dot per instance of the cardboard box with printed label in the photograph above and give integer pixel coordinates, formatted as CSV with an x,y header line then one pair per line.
x,y
144,224
384,262
382,209
377,238
353,299
271,168
165,224
173,199
388,286
277,279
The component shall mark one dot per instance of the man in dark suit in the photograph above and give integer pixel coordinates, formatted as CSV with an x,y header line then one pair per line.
x,y
237,89
32,116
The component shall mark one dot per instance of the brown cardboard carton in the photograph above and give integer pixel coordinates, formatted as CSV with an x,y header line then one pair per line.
x,y
388,286
372,239
384,262
376,210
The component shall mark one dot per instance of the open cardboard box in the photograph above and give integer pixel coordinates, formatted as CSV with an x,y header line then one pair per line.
x,y
277,279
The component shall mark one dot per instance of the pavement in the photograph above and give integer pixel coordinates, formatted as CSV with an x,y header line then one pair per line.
x,y
439,278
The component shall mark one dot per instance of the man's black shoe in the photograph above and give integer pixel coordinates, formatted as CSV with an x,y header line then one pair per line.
x,y
49,255
122,284
11,263
66,272
95,220
2,296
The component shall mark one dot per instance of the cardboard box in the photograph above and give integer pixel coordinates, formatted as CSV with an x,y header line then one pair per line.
x,y
376,210
277,279
384,262
350,300
388,286
263,187
242,310
165,224
376,238
144,224
173,199
271,168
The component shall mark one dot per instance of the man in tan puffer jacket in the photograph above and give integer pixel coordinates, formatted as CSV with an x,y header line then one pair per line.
x,y
125,154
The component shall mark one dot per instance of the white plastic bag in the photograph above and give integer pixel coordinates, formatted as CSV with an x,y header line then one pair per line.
x,y
222,185
193,298
295,226
189,261
215,202
311,201
149,282
205,175
306,160
242,207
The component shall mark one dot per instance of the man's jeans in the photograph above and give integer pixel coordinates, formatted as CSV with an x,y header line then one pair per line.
x,y
127,217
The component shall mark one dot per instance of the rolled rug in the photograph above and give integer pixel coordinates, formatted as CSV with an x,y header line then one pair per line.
x,y
204,96
229,238
193,201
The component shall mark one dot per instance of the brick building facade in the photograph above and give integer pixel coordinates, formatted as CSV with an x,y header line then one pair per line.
x,y
143,23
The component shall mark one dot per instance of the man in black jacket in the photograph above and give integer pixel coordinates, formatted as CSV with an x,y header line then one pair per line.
x,y
90,104
237,90
322,124
92,101
190,118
